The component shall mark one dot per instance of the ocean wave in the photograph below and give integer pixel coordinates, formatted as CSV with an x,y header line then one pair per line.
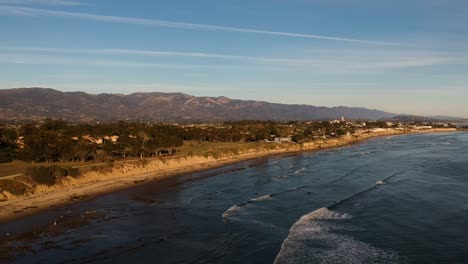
x,y
229,213
261,198
312,240
236,208
298,171
349,173
232,210
362,153
357,194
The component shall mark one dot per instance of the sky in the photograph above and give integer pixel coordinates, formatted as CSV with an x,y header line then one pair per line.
x,y
399,56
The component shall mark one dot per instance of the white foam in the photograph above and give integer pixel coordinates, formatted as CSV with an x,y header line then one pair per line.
x,y
298,171
236,208
312,240
261,198
232,210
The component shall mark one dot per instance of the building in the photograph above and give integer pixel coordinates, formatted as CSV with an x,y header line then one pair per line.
x,y
283,140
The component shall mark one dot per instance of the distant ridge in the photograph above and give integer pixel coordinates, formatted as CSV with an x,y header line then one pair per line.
x,y
453,118
39,103
411,118
430,119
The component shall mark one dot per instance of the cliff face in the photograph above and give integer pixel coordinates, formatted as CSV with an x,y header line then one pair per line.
x,y
39,103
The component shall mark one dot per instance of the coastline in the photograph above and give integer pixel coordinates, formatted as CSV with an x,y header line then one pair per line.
x,y
126,175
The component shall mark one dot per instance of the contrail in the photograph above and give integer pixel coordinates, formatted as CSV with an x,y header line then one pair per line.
x,y
15,10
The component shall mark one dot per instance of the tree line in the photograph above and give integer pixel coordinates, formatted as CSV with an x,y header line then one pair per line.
x,y
55,140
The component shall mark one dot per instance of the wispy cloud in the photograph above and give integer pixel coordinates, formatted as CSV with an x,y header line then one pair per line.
x,y
33,59
334,62
415,62
15,10
41,2
168,54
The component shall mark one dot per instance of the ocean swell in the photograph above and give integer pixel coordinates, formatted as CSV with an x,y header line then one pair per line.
x,y
235,209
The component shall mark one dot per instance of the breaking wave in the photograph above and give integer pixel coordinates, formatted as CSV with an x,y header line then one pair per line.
x,y
312,240
261,198
236,208
232,210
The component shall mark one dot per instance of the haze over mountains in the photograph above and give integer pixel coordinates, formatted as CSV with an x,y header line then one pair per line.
x,y
39,103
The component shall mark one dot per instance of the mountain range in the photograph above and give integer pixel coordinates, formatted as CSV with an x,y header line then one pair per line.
x,y
38,103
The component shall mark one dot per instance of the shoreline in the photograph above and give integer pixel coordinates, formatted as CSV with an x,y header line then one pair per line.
x,y
97,183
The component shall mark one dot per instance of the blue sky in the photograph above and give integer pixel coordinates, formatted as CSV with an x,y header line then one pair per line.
x,y
398,56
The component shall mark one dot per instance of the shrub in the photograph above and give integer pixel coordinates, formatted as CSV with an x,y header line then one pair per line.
x,y
14,187
73,172
5,157
50,175
44,175
61,172
215,155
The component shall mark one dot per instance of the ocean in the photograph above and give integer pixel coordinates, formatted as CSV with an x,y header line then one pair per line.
x,y
400,199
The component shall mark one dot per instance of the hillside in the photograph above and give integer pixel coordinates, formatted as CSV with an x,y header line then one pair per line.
x,y
39,103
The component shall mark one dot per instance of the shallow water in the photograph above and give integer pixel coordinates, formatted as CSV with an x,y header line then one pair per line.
x,y
399,199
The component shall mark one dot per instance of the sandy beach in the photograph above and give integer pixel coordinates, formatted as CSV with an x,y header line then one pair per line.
x,y
125,175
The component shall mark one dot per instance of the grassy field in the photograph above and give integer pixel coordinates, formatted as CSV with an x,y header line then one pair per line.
x,y
198,148
17,168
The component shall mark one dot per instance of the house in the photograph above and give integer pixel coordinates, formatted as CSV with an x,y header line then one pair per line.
x,y
113,138
283,140
422,127
20,142
378,129
92,139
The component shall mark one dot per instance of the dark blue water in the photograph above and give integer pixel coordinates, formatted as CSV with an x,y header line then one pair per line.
x,y
392,200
